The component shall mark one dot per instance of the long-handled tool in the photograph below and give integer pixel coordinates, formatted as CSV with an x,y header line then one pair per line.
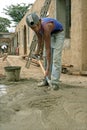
x,y
48,80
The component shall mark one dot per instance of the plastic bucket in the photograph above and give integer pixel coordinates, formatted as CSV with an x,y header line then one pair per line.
x,y
12,73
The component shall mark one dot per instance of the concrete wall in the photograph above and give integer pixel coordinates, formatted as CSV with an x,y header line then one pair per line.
x,y
75,52
84,35
79,35
76,34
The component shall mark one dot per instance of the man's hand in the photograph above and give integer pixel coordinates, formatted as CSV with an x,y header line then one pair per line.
x,y
46,73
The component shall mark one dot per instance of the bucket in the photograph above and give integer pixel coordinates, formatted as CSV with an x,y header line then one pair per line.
x,y
12,73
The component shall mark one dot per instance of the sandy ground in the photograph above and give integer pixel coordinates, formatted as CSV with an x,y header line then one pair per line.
x,y
25,106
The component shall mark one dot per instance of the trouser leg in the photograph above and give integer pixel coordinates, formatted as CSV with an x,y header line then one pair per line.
x,y
58,41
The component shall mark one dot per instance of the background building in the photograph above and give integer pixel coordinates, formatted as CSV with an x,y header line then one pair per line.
x,y
72,14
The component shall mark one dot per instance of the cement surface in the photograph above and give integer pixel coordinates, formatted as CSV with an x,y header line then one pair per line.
x,y
25,106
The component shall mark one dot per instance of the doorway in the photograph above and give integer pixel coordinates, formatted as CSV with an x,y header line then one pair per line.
x,y
63,14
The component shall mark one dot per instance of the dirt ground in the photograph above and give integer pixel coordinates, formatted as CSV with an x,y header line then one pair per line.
x,y
25,106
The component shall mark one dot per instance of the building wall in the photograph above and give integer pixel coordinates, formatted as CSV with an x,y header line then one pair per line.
x,y
76,34
84,35
79,35
74,51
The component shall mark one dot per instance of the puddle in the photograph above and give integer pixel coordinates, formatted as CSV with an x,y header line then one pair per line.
x,y
3,90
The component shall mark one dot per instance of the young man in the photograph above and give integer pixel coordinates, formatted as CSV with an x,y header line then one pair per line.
x,y
51,32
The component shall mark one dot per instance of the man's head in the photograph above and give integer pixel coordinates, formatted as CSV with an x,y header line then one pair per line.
x,y
32,19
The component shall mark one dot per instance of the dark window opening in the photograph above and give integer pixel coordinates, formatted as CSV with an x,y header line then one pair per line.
x,y
63,11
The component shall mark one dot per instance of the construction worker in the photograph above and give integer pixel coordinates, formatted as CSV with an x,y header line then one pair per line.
x,y
51,31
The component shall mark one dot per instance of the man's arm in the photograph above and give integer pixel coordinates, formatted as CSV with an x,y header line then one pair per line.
x,y
47,38
40,44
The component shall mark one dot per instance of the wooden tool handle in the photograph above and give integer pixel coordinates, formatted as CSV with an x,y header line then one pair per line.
x,y
41,66
48,80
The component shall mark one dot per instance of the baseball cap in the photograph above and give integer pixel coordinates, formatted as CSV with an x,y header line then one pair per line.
x,y
32,19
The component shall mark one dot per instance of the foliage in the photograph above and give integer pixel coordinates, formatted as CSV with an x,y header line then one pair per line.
x,y
4,23
17,12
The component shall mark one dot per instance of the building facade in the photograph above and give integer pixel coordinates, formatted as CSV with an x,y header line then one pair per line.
x,y
72,14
